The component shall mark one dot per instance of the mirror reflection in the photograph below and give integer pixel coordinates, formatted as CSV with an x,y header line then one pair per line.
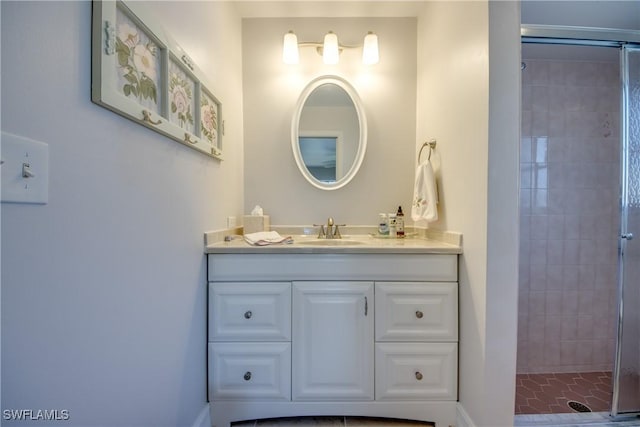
x,y
328,135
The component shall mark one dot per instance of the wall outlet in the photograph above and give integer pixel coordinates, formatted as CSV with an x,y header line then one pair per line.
x,y
232,222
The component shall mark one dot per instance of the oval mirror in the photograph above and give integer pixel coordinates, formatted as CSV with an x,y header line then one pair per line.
x,y
329,133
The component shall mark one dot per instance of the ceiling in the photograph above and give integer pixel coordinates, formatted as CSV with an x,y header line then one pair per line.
x,y
621,14
591,13
600,14
328,8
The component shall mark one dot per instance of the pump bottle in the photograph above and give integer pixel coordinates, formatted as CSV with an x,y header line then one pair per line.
x,y
399,223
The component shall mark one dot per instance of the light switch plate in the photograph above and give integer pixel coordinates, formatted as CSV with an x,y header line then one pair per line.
x,y
231,222
18,155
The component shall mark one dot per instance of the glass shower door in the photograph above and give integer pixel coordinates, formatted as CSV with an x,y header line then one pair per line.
x,y
626,375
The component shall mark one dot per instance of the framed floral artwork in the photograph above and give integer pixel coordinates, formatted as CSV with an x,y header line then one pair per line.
x,y
139,72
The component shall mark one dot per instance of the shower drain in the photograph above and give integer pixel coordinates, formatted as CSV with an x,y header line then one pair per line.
x,y
578,407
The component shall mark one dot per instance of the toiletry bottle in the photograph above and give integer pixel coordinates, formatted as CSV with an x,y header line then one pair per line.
x,y
399,223
383,225
392,225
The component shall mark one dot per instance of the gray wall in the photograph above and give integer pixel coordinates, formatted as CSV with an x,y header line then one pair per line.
x,y
271,90
103,288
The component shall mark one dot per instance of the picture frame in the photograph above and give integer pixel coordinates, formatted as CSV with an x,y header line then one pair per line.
x,y
141,73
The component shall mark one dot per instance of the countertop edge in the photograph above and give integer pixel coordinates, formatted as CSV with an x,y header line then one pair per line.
x,y
423,241
301,249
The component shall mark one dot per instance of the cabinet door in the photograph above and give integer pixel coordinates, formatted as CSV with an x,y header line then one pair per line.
x,y
332,341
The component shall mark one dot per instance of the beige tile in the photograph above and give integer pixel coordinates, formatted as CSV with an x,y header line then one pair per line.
x,y
382,422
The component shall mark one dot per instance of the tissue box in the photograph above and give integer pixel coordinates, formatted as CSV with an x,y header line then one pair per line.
x,y
255,223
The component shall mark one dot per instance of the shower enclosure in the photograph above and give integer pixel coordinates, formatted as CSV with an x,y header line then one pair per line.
x,y
579,316
626,392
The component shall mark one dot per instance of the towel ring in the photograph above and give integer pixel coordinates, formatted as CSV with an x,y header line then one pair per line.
x,y
432,146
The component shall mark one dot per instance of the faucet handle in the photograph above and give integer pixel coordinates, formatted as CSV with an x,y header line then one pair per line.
x,y
321,232
336,233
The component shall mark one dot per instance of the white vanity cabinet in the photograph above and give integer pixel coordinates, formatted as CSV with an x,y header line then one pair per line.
x,y
353,334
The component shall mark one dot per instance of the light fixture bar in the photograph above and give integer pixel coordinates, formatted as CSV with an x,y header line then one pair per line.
x,y
330,49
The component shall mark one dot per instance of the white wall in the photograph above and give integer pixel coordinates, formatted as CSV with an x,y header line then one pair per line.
x,y
103,288
502,212
271,90
468,101
453,107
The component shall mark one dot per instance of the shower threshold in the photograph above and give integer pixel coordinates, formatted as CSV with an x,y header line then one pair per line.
x,y
591,419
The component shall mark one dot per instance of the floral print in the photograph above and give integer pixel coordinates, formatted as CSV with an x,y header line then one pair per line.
x,y
180,96
128,35
209,119
144,60
137,62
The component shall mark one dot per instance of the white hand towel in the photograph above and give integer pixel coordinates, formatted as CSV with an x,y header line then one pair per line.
x,y
425,194
264,238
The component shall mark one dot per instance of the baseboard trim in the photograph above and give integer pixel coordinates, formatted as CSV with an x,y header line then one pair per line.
x,y
204,418
462,417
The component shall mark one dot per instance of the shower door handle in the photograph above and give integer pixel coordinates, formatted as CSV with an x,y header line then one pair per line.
x,y
627,236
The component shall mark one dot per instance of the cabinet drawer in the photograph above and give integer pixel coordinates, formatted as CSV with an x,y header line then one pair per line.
x,y
250,371
416,311
416,371
250,311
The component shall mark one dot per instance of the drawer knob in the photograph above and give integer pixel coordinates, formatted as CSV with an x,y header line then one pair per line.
x,y
247,375
419,314
248,314
418,375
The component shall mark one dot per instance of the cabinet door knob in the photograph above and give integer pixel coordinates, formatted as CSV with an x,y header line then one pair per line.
x,y
418,375
247,375
419,314
248,314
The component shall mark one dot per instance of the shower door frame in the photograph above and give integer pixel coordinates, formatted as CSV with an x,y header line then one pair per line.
x,y
612,38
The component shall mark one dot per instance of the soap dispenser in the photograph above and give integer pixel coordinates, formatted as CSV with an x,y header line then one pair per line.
x,y
399,223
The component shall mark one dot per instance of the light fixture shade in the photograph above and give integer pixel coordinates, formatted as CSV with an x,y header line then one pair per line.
x,y
330,50
370,53
290,54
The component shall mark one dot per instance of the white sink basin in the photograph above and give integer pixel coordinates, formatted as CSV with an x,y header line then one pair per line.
x,y
331,242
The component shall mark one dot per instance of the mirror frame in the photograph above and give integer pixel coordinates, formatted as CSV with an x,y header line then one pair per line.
x,y
362,121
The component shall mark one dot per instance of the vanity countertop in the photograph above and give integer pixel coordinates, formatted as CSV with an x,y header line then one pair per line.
x,y
349,244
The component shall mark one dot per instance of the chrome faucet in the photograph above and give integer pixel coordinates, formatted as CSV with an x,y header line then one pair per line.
x,y
331,231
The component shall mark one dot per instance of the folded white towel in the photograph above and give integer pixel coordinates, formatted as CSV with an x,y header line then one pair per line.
x,y
425,194
264,238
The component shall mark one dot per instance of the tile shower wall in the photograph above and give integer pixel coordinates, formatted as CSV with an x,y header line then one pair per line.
x,y
569,220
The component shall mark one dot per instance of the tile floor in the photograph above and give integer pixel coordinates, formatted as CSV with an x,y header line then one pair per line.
x,y
331,422
550,393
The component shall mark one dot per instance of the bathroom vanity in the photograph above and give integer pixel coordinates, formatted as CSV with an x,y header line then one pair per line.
x,y
360,327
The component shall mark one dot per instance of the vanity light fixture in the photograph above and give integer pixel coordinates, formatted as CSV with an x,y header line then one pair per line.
x,y
290,54
330,49
370,50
